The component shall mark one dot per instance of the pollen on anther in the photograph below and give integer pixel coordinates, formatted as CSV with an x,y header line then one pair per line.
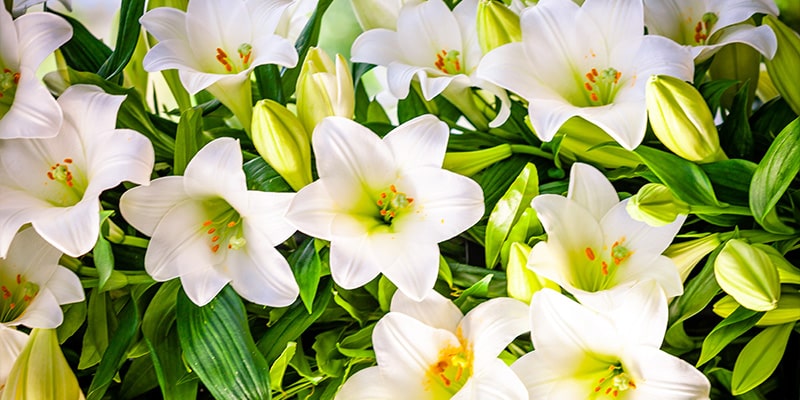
x,y
207,223
393,189
231,224
19,279
68,160
215,238
588,86
594,97
380,202
604,268
590,254
215,248
212,230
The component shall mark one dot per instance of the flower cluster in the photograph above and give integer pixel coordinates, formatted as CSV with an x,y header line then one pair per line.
x,y
472,199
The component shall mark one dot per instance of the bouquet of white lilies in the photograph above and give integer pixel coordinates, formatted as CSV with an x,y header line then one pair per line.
x,y
400,199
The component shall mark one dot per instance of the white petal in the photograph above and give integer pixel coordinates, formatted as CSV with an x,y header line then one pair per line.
x,y
552,373
433,86
639,313
376,46
761,38
657,55
660,269
260,274
217,24
570,227
434,310
624,121
43,312
426,29
494,380
178,246
273,49
195,81
65,286
40,34
663,376
216,170
638,236
171,54
73,230
508,67
492,325
117,156
11,219
734,11
12,342
28,255
88,110
399,76
34,113
419,142
267,14
615,21
313,211
265,213
145,206
413,272
547,115
408,348
203,285
352,262
369,383
9,40
166,23
591,189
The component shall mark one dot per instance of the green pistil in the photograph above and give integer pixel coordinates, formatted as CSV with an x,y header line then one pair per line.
x,y
448,62
15,297
391,203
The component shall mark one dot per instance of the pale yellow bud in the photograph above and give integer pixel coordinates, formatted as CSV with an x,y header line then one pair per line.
x,y
747,273
655,205
282,141
496,25
787,273
41,371
324,89
681,120
686,255
787,309
469,163
782,68
522,282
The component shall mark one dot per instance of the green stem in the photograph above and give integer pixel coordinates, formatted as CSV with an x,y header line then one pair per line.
x,y
731,210
135,241
530,150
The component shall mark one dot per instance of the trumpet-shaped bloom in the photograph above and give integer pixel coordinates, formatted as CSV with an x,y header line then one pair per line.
x,y
594,245
55,183
589,61
705,26
208,229
215,45
27,110
430,350
437,46
385,204
33,285
582,354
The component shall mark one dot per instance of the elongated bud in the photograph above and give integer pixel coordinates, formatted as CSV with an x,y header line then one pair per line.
x,y
655,205
782,68
747,273
681,119
324,89
41,371
373,14
282,141
469,163
522,282
787,310
787,273
496,25
686,255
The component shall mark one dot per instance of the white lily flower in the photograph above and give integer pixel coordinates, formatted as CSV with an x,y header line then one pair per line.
x,y
12,342
32,284
55,183
215,45
589,61
430,350
373,14
385,203
594,245
209,230
584,354
27,110
295,18
705,26
18,7
438,47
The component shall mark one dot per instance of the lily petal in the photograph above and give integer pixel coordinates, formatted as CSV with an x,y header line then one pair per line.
x,y
664,376
177,245
166,23
434,310
40,34
260,274
492,325
144,206
375,46
34,113
73,230
413,272
265,212
420,142
354,263
369,383
216,171
116,156
495,380
202,285
43,312
591,189
617,223
12,342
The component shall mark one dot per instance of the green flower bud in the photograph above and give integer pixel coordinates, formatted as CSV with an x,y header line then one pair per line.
x,y
282,141
782,68
41,371
787,310
373,14
522,282
681,119
787,273
324,89
747,273
655,205
497,25
469,163
686,255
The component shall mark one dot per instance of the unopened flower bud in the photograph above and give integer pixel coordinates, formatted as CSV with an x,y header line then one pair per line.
x,y
497,25
787,273
747,273
655,205
681,119
282,141
782,68
324,89
787,310
469,163
41,371
522,282
373,14
686,255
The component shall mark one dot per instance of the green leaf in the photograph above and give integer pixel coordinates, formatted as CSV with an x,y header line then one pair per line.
x,y
139,379
731,179
102,254
189,138
217,344
307,39
496,179
508,210
478,289
734,134
83,52
307,267
773,176
684,178
115,355
329,360
101,322
74,316
127,36
293,323
412,106
739,322
759,358
445,273
268,83
278,368
712,91
357,345
260,176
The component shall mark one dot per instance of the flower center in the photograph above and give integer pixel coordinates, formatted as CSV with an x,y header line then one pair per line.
x,y
448,62
392,203
451,370
224,230
615,380
60,172
8,87
703,28
601,86
606,263
15,297
245,52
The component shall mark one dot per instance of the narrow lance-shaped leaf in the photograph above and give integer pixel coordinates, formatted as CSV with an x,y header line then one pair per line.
x,y
759,358
508,210
726,331
127,36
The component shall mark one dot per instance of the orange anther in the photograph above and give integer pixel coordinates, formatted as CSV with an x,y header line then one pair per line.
x,y
215,238
207,223
588,86
231,224
68,160
215,248
590,254
212,230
